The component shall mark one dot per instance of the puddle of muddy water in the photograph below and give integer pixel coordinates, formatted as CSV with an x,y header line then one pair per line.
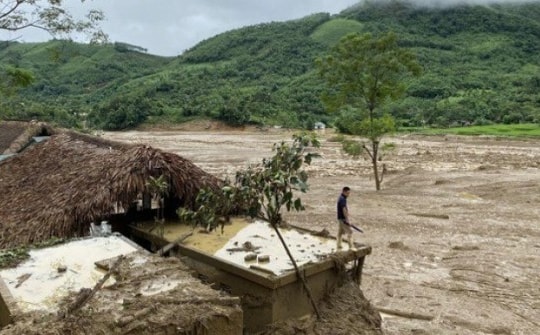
x,y
209,242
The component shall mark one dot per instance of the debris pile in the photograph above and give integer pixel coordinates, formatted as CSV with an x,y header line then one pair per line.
x,y
149,292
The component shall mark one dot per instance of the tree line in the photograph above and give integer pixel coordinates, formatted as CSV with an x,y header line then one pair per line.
x,y
479,67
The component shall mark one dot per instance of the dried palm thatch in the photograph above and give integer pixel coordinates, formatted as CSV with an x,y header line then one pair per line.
x,y
56,188
15,135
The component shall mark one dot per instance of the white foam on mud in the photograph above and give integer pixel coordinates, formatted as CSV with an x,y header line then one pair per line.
x,y
304,247
45,286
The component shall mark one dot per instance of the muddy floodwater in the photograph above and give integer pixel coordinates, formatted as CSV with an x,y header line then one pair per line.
x,y
455,229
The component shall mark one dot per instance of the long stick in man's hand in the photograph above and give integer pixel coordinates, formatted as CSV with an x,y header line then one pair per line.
x,y
354,227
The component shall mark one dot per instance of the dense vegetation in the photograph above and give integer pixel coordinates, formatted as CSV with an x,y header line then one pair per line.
x,y
480,65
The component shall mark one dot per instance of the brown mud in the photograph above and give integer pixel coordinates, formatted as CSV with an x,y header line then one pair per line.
x,y
455,230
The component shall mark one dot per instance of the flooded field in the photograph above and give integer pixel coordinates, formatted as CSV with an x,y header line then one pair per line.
x,y
455,230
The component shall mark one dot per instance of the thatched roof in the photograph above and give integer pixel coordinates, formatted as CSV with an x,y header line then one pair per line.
x,y
15,135
57,187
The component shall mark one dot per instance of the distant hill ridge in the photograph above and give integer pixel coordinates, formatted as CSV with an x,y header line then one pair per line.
x,y
480,63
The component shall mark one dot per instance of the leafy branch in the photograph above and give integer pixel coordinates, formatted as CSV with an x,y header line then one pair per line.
x,y
51,17
262,191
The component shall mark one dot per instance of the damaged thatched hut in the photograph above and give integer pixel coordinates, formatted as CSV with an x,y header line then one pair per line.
x,y
56,188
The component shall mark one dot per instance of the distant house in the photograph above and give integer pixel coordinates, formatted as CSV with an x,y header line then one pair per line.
x,y
319,126
59,186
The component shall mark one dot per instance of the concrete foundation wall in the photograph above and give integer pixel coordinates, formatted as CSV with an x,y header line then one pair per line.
x,y
257,301
6,305
263,306
267,298
292,301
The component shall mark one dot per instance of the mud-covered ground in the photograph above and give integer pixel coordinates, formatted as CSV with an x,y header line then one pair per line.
x,y
455,230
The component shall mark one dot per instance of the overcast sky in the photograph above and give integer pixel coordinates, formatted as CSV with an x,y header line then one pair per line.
x,y
168,27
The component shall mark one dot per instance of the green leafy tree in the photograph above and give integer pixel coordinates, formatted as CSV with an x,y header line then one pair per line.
x,y
13,78
271,185
264,190
363,73
232,111
261,191
48,15
121,112
51,16
212,207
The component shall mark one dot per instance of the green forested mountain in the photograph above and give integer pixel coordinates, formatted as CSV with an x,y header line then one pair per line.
x,y
481,65
71,79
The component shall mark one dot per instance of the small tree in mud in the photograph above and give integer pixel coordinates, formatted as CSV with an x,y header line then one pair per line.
x,y
212,207
262,191
362,73
158,188
269,187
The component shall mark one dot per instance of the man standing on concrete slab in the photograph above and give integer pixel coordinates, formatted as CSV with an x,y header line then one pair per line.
x,y
343,218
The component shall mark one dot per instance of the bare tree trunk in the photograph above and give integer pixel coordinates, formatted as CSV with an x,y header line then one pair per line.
x,y
374,159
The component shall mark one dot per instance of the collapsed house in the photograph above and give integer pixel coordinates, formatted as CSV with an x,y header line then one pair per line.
x,y
118,288
58,187
58,184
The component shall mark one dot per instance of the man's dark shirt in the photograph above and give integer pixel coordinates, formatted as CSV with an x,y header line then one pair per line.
x,y
342,203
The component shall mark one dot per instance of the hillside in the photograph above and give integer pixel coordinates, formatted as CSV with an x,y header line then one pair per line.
x,y
480,62
480,66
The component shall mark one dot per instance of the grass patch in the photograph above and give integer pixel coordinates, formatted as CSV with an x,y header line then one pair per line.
x,y
510,130
331,32
388,146
337,138
13,257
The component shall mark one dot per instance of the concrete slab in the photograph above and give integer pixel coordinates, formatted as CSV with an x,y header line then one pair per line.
x,y
50,274
269,289
262,240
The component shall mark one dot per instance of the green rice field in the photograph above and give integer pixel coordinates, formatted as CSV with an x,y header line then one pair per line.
x,y
510,130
